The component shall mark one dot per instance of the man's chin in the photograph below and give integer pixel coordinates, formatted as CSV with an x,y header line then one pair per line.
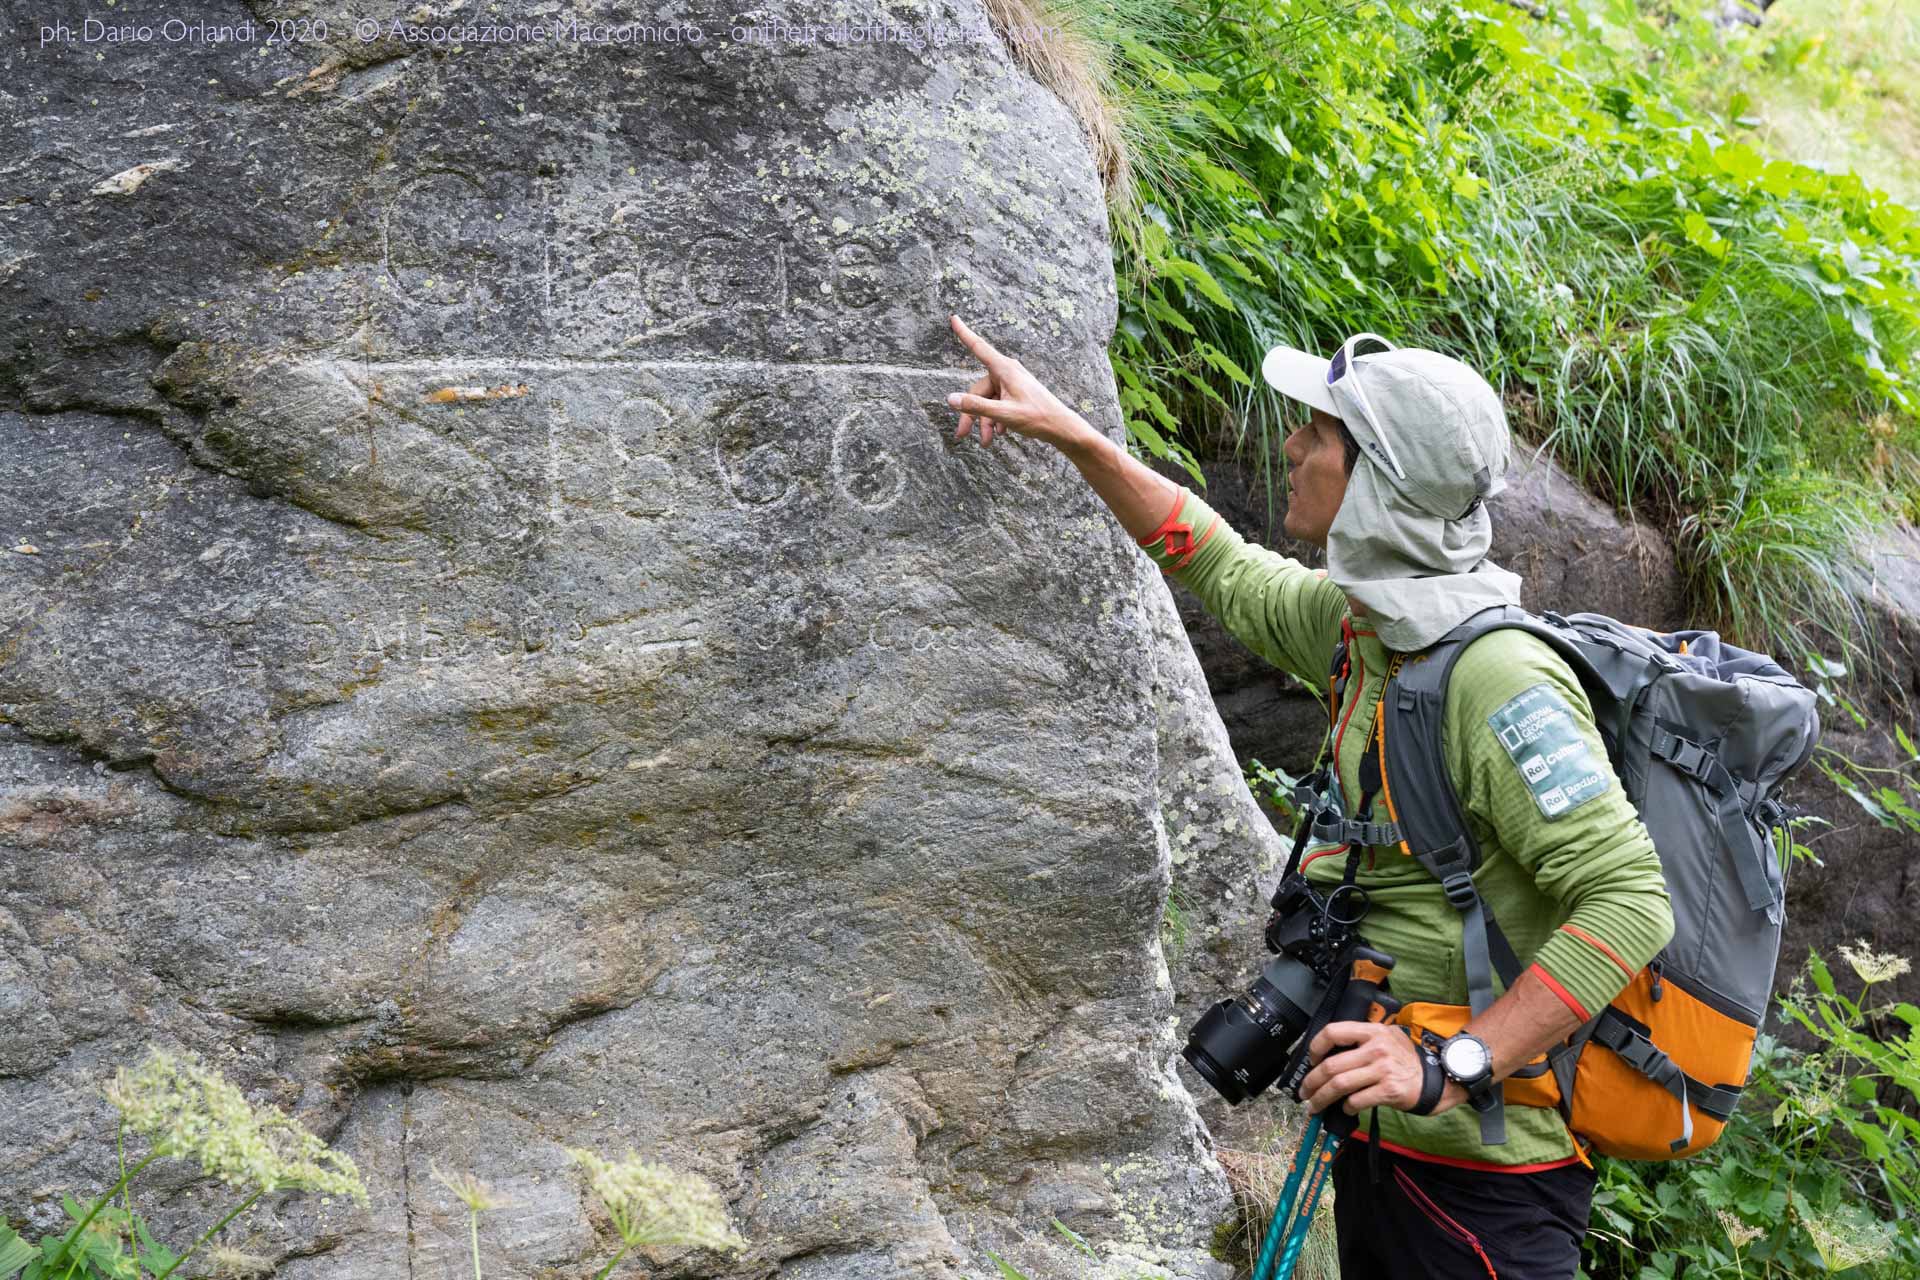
x,y
1312,537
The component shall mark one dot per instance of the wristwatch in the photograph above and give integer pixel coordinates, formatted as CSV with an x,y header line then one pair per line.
x,y
1469,1063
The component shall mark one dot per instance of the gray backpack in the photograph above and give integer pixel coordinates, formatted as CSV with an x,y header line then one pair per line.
x,y
1702,735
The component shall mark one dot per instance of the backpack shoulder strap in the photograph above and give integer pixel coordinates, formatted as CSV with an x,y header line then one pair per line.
x,y
1315,797
1424,804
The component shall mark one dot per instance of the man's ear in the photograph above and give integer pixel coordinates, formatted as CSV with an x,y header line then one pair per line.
x,y
1349,448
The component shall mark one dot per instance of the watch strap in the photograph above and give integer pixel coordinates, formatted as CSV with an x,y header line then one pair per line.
x,y
1482,1093
1433,1080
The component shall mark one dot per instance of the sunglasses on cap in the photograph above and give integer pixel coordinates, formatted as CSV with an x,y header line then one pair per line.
x,y
1340,367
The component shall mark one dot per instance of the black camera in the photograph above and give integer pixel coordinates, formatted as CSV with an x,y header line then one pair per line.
x,y
1323,972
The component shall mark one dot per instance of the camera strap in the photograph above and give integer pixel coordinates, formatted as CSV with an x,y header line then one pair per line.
x,y
1309,795
1306,806
1316,797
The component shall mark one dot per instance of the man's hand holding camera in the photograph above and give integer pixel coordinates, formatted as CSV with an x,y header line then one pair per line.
x,y
1370,1064
1373,1064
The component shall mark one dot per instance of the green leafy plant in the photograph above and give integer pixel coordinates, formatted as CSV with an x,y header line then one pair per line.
x,y
1257,1179
1174,923
1834,82
1010,1272
651,1204
477,1196
1715,337
1275,786
186,1110
1890,795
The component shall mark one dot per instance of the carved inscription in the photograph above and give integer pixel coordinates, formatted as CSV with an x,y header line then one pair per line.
x,y
580,485
826,624
628,444
442,243
753,471
865,467
361,643
559,266
633,478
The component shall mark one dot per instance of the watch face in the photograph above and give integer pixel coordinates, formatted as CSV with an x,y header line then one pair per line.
x,y
1464,1059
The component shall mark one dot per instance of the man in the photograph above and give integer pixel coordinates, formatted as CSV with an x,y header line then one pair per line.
x,y
1390,475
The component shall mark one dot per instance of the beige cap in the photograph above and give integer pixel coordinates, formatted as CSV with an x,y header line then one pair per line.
x,y
1435,427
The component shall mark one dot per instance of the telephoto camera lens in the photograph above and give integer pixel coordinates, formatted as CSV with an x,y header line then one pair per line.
x,y
1240,1046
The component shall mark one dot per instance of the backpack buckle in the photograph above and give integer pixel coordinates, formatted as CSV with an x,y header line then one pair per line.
x,y
1460,891
1308,790
1773,812
1369,834
1691,759
1331,827
1684,754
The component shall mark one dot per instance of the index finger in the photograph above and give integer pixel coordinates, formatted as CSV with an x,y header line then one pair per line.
x,y
1343,1034
977,344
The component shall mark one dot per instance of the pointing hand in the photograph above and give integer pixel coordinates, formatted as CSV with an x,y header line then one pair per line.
x,y
1008,398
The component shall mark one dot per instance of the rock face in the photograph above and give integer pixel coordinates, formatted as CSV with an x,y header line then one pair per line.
x,y
499,650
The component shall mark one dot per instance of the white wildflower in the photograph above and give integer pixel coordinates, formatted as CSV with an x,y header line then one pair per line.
x,y
1872,966
189,1110
473,1193
1737,1229
1843,1246
653,1205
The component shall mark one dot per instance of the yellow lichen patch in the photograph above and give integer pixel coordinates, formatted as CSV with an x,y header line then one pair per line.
x,y
323,78
128,181
447,395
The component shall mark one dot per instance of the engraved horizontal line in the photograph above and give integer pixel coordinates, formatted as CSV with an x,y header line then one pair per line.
x,y
683,642
462,364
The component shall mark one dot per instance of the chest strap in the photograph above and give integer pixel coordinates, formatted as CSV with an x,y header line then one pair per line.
x,y
1316,797
1332,827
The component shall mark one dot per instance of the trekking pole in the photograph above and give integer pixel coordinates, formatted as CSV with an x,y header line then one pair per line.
x,y
1364,999
1303,1221
1277,1228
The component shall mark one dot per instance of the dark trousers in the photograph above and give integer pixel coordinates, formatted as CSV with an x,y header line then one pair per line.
x,y
1423,1219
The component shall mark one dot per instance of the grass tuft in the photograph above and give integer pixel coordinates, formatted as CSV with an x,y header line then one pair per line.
x,y
1257,1179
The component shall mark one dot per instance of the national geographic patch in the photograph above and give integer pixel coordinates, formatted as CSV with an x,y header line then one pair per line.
x,y
1538,730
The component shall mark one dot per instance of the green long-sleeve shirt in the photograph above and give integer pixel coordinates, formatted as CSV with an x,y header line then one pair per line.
x,y
1569,872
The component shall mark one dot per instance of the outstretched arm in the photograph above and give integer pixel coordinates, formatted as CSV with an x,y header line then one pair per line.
x,y
1282,610
1138,496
